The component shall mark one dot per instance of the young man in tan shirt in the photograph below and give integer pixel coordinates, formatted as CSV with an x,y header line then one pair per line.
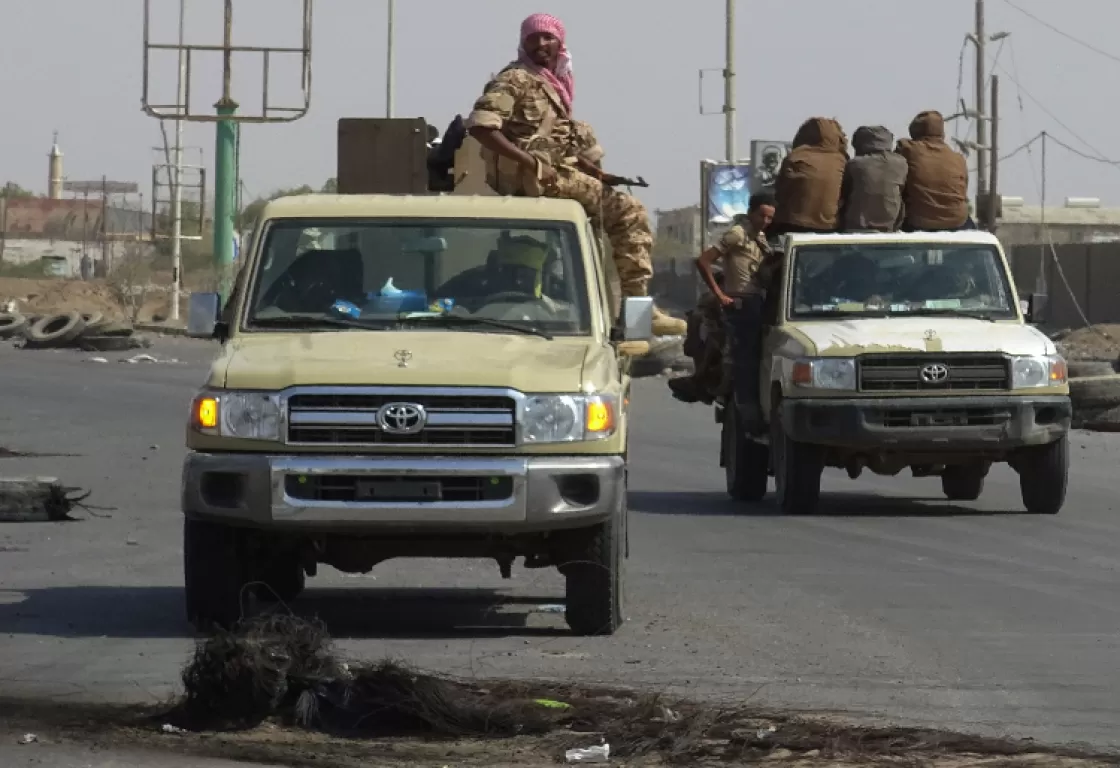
x,y
748,265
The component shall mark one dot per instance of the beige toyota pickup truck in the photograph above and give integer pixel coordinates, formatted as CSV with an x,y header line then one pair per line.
x,y
891,351
413,376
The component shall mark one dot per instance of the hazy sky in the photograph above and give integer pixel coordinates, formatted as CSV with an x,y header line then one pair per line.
x,y
75,66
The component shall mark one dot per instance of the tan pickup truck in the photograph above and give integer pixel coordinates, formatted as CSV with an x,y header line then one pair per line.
x,y
902,350
413,376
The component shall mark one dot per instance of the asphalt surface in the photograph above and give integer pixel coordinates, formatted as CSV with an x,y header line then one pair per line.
x,y
891,603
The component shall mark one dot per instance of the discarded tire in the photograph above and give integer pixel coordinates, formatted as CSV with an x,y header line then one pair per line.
x,y
1095,392
11,325
56,330
115,328
107,343
1086,368
94,322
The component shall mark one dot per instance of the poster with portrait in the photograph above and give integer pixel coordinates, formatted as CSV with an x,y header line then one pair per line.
x,y
727,192
766,160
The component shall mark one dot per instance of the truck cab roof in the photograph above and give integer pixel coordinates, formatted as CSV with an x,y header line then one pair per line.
x,y
963,237
414,206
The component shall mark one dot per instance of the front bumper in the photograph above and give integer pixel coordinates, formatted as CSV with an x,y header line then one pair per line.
x,y
506,495
926,424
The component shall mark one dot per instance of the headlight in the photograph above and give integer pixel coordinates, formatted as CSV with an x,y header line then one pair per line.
x,y
567,418
244,415
825,373
1038,371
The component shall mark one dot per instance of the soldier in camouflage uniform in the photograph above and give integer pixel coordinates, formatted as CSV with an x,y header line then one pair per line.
x,y
532,147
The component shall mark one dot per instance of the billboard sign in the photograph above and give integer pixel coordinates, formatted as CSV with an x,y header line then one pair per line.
x,y
726,192
766,160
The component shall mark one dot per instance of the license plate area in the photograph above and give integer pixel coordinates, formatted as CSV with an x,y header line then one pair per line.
x,y
390,489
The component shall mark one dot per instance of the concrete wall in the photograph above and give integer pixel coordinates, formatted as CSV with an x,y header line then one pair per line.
x,y
1091,271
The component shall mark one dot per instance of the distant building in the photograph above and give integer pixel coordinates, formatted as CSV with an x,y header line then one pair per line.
x,y
1080,220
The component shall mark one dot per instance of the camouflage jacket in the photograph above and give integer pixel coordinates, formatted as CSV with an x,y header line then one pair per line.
x,y
529,112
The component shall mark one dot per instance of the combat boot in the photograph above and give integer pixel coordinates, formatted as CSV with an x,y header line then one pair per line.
x,y
667,325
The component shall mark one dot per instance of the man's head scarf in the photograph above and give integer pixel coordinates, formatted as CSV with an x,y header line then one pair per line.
x,y
560,76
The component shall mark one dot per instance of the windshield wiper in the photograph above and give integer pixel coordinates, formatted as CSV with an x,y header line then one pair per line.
x,y
296,321
465,319
953,313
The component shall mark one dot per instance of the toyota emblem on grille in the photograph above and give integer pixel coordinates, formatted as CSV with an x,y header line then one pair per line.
x,y
401,418
934,373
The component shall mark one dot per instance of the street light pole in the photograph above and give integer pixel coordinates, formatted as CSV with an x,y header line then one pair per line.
x,y
390,64
729,86
176,183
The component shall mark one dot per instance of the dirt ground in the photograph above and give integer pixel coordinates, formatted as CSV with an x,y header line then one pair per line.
x,y
107,731
49,295
1097,342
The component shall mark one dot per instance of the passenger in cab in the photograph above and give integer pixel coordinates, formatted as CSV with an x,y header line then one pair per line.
x,y
748,266
874,180
936,191
807,189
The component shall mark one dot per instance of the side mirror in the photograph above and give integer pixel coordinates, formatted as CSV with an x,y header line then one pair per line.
x,y
637,318
1034,308
202,315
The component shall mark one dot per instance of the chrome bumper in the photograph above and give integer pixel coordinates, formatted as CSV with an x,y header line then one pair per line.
x,y
253,490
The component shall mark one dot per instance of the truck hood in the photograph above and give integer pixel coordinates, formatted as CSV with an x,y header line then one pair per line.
x,y
924,334
275,361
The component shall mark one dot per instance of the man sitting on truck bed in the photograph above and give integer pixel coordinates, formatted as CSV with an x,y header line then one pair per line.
x,y
748,265
871,195
523,120
936,191
807,189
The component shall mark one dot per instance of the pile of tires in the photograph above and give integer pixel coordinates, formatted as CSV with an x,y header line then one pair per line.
x,y
90,332
1094,392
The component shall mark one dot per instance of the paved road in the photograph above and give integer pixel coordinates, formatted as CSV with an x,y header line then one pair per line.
x,y
890,603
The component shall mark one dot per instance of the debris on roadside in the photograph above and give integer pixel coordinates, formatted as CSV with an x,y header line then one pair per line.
x,y
146,358
282,670
89,332
600,753
39,500
28,738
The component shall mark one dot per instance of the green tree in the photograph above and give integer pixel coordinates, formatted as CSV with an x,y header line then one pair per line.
x,y
330,187
13,190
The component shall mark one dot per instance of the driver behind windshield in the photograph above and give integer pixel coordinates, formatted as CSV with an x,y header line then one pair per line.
x,y
518,267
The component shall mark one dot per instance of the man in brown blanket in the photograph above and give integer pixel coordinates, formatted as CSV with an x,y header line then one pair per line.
x,y
807,189
936,191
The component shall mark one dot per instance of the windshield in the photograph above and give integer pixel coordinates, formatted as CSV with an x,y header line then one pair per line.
x,y
899,279
473,275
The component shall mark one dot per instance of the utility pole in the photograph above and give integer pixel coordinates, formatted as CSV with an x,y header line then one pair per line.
x,y
176,182
993,186
225,166
981,112
390,63
729,85
1040,281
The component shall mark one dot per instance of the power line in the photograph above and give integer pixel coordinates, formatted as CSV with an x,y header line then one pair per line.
x,y
1099,155
1063,33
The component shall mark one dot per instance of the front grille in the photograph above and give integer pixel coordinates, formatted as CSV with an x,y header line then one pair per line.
x,y
903,373
418,489
934,418
460,420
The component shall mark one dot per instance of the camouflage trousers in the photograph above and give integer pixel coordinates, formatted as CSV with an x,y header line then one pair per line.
x,y
624,220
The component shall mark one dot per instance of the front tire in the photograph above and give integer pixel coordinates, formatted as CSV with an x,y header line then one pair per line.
x,y
214,574
962,483
797,469
594,575
746,463
1044,476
